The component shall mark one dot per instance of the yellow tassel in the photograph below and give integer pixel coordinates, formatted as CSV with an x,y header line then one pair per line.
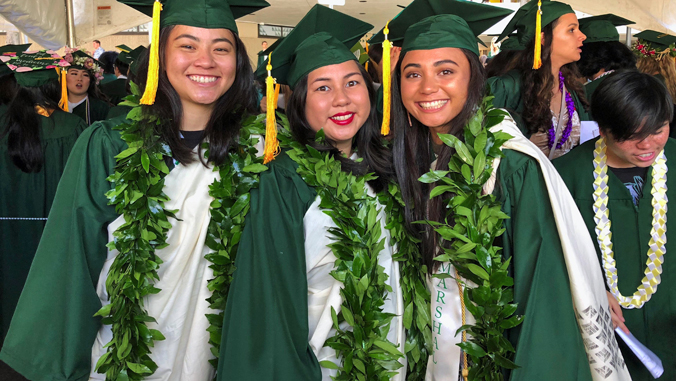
x,y
148,97
387,83
366,65
537,60
277,88
63,103
271,144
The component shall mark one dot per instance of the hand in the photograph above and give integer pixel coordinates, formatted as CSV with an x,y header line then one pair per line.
x,y
616,313
394,57
264,104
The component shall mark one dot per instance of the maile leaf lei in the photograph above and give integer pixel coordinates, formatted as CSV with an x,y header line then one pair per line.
x,y
138,195
473,222
364,349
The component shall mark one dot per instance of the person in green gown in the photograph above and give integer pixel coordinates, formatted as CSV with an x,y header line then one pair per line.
x,y
602,51
544,88
36,138
132,59
54,333
117,89
278,321
437,88
624,174
84,97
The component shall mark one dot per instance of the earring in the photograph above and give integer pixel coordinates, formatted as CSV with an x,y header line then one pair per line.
x,y
409,119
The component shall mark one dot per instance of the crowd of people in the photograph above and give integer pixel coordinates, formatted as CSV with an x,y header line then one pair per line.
x,y
169,213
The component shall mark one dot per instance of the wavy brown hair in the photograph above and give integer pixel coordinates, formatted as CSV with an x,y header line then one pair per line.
x,y
536,85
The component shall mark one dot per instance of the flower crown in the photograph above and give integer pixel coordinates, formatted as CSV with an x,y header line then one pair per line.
x,y
85,62
644,49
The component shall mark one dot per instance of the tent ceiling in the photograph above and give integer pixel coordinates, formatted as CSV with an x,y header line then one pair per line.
x,y
44,20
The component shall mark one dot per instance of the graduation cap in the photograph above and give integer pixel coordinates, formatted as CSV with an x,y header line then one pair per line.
x,y
131,55
209,14
123,48
39,68
323,37
602,28
529,20
83,61
432,24
11,51
657,40
511,43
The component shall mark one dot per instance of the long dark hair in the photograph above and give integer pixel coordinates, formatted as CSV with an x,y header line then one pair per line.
x,y
367,142
225,121
413,156
537,85
23,125
606,55
8,88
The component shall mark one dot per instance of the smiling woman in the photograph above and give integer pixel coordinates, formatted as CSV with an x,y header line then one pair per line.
x,y
147,186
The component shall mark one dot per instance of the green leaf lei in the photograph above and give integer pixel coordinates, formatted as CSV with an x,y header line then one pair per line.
x,y
138,195
365,351
473,222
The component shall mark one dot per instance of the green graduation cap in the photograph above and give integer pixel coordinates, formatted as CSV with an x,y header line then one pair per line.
x,y
657,40
323,37
11,51
511,43
123,48
36,68
209,14
525,19
132,55
602,28
476,18
81,60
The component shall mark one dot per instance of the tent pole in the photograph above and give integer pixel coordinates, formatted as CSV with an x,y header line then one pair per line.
x,y
70,23
628,37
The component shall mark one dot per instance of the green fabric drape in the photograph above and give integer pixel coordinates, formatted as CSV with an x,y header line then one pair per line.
x,y
653,325
29,195
548,342
507,92
265,329
53,329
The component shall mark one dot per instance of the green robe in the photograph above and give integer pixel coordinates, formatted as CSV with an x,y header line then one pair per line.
x,y
117,111
29,195
52,333
590,87
258,310
98,110
653,324
507,92
115,90
548,343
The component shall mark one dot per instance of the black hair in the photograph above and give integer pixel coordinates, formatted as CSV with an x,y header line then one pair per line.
x,y
413,156
121,66
606,55
93,90
368,142
8,88
97,41
223,126
23,124
537,84
631,105
107,60
501,63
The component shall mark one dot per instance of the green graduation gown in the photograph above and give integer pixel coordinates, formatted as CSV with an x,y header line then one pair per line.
x,y
590,87
507,92
653,324
548,343
98,110
117,111
29,196
57,312
115,90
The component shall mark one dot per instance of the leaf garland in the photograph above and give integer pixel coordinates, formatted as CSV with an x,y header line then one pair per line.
x,y
232,196
138,196
472,223
364,349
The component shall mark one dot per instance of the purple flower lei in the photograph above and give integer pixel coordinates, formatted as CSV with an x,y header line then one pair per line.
x,y
570,107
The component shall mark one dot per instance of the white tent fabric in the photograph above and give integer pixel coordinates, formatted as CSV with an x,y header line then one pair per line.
x,y
44,21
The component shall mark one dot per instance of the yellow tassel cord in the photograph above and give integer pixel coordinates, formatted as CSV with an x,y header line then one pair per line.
x,y
366,65
277,87
271,144
537,60
63,103
148,97
387,83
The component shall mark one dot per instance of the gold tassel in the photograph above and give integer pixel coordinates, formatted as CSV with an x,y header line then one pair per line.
x,y
148,97
537,60
387,83
63,103
366,65
277,88
271,144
